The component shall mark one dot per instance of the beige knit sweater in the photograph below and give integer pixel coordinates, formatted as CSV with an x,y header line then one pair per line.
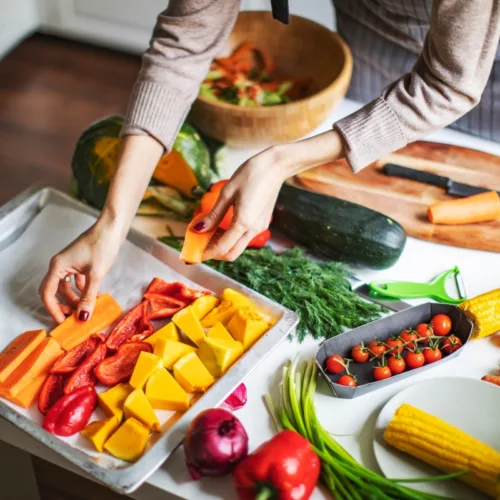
x,y
445,83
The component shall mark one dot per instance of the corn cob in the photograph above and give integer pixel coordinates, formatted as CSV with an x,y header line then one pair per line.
x,y
445,447
484,312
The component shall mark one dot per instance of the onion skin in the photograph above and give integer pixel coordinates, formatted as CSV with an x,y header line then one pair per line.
x,y
215,442
237,399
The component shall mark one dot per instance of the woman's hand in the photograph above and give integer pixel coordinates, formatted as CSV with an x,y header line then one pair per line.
x,y
255,186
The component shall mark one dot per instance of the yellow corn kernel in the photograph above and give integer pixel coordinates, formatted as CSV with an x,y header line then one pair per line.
x,y
484,312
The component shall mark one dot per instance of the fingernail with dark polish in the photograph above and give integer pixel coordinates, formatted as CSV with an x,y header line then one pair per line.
x,y
83,316
199,226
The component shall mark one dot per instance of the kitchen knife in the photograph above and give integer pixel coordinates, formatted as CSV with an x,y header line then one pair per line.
x,y
452,188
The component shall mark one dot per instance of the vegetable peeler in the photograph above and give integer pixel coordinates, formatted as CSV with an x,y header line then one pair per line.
x,y
435,289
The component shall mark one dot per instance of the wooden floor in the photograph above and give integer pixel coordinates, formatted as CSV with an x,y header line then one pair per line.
x,y
50,90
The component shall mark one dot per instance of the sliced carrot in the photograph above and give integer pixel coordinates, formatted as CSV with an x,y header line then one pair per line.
x,y
18,350
72,332
482,207
195,243
38,363
30,393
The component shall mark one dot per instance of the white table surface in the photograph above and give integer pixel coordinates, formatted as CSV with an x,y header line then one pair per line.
x,y
420,261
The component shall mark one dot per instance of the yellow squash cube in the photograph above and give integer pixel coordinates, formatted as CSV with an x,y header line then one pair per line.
x,y
138,407
219,331
99,431
169,331
165,393
191,374
129,441
247,326
113,399
221,314
236,298
203,305
190,325
146,364
170,351
219,355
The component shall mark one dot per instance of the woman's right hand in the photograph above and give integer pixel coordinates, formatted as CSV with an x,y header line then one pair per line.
x,y
88,259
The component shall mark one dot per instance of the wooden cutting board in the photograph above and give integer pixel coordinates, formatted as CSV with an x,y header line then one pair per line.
x,y
406,201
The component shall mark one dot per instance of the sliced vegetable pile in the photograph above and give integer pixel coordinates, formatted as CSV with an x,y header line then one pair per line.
x,y
143,370
248,78
413,348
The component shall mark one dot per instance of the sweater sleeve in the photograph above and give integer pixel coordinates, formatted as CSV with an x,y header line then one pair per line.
x,y
187,36
446,82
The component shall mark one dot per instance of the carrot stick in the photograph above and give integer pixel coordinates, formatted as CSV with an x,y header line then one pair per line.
x,y
478,208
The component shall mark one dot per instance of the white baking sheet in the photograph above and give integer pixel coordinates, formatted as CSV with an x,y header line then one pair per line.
x,y
24,264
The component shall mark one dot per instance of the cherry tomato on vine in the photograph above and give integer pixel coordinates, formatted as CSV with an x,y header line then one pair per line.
x,y
347,380
408,336
396,344
377,348
382,372
335,364
359,353
396,364
415,359
423,331
451,344
441,324
431,355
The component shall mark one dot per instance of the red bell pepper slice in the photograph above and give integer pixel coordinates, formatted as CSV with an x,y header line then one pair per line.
x,y
260,240
71,413
285,467
70,360
128,326
51,392
84,374
119,367
176,290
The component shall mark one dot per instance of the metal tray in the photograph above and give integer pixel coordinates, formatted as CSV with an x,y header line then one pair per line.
x,y
15,217
382,329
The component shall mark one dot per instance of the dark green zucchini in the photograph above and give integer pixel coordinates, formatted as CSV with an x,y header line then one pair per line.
x,y
337,229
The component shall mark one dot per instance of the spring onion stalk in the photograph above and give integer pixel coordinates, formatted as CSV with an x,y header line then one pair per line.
x,y
342,475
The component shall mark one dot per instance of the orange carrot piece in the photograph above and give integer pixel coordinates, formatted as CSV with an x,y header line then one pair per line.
x,y
492,379
30,393
482,207
72,332
195,243
36,364
18,350
242,51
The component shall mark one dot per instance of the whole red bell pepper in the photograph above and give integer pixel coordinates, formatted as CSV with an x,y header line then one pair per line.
x,y
71,413
284,468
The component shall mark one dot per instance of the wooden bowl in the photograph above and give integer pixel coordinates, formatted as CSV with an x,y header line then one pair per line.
x,y
301,49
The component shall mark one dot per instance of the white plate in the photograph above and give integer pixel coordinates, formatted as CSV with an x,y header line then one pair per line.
x,y
471,405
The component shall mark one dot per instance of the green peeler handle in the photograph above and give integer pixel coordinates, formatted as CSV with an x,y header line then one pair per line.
x,y
401,289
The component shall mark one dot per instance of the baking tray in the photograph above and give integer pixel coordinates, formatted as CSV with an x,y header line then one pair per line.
x,y
15,217
382,329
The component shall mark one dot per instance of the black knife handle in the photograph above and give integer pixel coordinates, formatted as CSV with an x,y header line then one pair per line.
x,y
416,175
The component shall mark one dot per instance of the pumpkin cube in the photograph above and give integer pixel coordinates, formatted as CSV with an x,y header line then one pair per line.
x,y
187,321
165,393
170,351
203,305
145,366
112,400
236,298
138,407
192,374
247,326
221,314
98,432
219,331
169,331
219,355
129,441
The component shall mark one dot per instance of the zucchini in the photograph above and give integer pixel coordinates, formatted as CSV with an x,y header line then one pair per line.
x,y
337,229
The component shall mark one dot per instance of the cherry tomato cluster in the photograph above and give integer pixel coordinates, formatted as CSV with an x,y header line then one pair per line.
x,y
411,349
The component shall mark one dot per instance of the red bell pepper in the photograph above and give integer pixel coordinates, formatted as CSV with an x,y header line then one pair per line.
x,y
284,468
129,325
71,413
178,291
261,239
70,360
119,367
51,393
84,374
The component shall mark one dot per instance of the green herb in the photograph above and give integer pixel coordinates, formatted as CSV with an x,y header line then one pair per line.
x,y
342,475
317,291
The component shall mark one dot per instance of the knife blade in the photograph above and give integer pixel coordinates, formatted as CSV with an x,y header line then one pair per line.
x,y
453,188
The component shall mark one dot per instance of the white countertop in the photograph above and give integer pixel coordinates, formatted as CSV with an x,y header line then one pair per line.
x,y
420,262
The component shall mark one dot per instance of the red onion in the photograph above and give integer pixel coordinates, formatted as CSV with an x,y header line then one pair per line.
x,y
237,399
215,442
